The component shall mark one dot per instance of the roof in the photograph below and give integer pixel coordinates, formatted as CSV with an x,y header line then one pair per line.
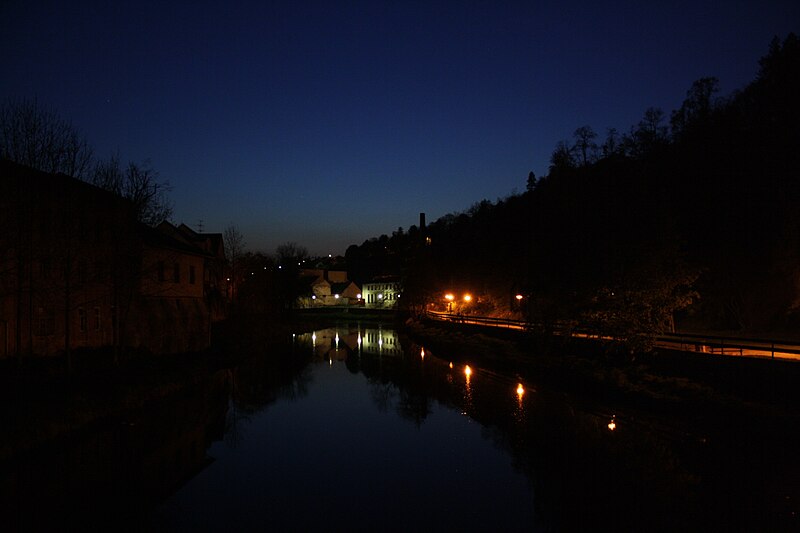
x,y
339,288
211,242
309,280
167,236
16,177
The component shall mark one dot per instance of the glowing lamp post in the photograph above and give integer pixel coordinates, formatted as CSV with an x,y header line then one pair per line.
x,y
449,297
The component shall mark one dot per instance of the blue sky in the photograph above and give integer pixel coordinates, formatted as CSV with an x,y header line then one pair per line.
x,y
328,123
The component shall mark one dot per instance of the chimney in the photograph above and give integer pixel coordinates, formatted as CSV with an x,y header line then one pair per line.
x,y
422,221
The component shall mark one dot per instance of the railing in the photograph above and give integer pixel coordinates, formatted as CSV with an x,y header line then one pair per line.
x,y
736,346
685,342
479,320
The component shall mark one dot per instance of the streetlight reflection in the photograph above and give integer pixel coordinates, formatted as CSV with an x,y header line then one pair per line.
x,y
467,392
519,412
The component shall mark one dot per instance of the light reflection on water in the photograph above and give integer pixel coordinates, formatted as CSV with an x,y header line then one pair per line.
x,y
352,428
370,447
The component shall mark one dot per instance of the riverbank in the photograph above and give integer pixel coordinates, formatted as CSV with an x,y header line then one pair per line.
x,y
666,383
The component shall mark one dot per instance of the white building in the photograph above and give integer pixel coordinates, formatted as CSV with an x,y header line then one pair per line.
x,y
382,292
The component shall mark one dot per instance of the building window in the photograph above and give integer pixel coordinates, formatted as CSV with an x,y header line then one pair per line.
x,y
82,320
176,273
97,319
191,274
161,274
44,323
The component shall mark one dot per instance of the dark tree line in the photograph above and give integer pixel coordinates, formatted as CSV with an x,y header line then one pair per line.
x,y
690,216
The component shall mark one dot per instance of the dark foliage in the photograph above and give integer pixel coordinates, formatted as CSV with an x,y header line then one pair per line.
x,y
694,217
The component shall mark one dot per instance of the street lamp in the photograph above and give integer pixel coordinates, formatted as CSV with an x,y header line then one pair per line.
x,y
449,297
467,297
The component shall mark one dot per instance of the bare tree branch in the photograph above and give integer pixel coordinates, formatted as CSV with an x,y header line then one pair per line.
x,y
38,137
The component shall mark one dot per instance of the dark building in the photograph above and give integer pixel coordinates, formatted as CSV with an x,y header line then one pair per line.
x,y
78,270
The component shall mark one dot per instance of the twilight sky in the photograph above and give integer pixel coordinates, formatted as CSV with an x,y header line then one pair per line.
x,y
327,123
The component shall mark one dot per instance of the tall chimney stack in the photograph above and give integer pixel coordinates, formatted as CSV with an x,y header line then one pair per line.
x,y
422,221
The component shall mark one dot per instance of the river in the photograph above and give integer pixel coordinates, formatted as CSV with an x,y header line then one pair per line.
x,y
357,428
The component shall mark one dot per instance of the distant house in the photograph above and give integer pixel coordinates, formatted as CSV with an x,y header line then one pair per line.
x,y
328,287
382,292
77,270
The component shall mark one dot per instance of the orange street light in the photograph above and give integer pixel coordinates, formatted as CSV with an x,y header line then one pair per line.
x,y
449,297
518,297
467,297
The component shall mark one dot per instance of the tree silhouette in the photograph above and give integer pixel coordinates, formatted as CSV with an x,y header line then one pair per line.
x,y
234,246
37,137
585,145
138,183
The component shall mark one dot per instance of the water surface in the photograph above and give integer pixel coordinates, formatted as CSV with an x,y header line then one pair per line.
x,y
357,428
342,446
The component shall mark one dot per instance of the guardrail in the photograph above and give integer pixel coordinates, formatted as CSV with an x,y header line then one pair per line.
x,y
685,342
738,346
479,320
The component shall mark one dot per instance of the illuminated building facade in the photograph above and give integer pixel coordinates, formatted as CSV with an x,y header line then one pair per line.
x,y
382,292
